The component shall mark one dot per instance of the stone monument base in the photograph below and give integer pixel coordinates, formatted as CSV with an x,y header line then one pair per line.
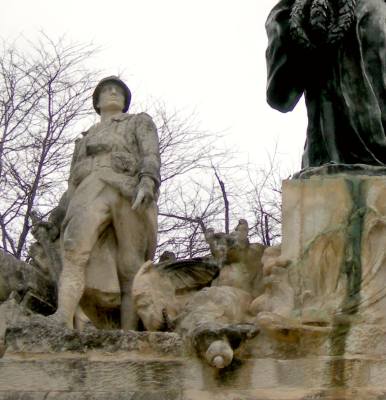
x,y
320,320
46,362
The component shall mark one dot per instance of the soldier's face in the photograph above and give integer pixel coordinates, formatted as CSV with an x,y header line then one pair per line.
x,y
111,98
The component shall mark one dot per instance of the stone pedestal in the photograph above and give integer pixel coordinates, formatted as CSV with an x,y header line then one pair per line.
x,y
43,362
334,234
327,338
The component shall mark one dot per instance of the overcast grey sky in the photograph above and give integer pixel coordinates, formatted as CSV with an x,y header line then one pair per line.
x,y
201,55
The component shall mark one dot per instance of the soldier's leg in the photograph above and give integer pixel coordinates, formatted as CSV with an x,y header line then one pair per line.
x,y
136,236
83,225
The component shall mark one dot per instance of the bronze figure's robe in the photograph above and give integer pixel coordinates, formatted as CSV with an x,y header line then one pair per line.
x,y
344,85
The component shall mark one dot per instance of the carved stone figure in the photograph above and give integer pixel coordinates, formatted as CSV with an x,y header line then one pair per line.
x,y
333,51
110,205
31,286
278,294
214,321
238,259
45,252
161,291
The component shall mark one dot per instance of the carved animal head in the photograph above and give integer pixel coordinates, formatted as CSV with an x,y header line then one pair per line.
x,y
228,248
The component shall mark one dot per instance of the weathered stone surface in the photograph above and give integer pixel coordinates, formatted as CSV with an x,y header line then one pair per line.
x,y
349,394
40,335
34,288
324,287
128,374
70,395
334,241
11,312
314,234
84,375
278,295
54,362
278,394
317,331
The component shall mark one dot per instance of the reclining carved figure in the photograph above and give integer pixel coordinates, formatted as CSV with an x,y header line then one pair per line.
x,y
206,300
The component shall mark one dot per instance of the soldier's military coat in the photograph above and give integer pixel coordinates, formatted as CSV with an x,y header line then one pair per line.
x,y
118,152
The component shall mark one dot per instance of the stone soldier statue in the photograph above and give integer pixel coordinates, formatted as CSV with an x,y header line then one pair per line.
x,y
112,191
333,52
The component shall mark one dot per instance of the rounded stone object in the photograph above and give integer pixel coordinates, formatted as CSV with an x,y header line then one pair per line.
x,y
219,354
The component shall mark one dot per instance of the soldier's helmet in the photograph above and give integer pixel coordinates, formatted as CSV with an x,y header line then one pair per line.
x,y
120,83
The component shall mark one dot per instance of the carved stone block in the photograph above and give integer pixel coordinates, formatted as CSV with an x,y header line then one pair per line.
x,y
334,234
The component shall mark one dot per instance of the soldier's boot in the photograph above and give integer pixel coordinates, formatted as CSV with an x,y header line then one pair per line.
x,y
71,288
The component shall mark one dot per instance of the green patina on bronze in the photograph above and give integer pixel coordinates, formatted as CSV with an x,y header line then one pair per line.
x,y
352,262
352,269
296,277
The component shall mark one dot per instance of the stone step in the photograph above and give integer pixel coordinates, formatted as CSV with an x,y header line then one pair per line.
x,y
45,361
273,394
129,372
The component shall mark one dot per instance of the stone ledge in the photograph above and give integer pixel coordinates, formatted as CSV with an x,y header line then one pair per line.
x,y
274,394
40,335
136,374
80,375
142,395
332,170
280,394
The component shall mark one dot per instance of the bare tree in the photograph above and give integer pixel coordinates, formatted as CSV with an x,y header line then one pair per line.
x,y
185,215
263,199
204,185
189,201
224,195
44,92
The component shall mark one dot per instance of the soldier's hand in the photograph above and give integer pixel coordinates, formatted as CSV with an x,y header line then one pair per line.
x,y
145,193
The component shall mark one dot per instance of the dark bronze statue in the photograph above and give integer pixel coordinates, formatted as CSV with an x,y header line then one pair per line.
x,y
333,51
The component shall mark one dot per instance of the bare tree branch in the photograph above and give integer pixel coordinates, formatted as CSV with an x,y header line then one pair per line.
x,y
44,92
226,201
